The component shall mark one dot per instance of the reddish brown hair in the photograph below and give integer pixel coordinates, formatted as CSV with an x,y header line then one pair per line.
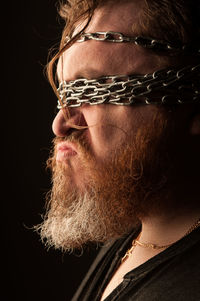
x,y
174,21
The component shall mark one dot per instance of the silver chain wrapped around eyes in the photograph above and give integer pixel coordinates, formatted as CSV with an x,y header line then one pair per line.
x,y
162,87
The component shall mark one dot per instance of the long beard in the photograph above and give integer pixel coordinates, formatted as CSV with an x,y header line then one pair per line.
x,y
115,196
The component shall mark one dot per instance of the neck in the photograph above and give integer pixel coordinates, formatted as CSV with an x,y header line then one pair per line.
x,y
164,229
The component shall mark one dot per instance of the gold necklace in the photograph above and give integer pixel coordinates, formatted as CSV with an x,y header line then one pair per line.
x,y
154,246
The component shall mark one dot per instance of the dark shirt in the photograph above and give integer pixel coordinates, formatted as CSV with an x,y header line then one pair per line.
x,y
173,274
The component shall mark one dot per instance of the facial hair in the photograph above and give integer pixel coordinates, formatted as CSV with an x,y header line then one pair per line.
x,y
115,196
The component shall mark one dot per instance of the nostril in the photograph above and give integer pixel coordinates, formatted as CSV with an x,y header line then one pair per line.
x,y
71,131
63,127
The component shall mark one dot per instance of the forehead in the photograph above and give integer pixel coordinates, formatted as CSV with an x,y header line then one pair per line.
x,y
93,59
117,16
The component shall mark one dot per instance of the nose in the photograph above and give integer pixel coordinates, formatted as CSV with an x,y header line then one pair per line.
x,y
62,125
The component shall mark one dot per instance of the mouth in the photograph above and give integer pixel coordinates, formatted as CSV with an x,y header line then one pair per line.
x,y
65,150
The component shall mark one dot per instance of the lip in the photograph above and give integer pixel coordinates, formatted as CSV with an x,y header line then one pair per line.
x,y
65,150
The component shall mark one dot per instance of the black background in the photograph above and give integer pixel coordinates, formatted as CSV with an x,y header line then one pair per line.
x,y
28,106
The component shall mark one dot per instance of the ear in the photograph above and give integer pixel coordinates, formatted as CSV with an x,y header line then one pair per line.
x,y
195,125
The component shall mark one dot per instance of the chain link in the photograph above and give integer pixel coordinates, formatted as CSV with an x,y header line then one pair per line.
x,y
162,87
167,86
146,42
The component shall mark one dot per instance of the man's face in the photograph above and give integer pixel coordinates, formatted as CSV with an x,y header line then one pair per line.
x,y
109,125
103,173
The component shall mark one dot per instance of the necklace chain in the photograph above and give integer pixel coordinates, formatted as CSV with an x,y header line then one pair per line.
x,y
154,246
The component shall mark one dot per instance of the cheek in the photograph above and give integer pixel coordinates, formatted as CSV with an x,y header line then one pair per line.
x,y
113,126
105,139
108,129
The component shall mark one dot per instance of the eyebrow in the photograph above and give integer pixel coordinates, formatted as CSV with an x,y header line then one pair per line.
x,y
88,73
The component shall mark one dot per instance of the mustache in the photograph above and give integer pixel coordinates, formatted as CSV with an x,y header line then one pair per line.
x,y
75,136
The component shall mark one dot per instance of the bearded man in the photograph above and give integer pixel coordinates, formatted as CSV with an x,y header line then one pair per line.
x,y
126,154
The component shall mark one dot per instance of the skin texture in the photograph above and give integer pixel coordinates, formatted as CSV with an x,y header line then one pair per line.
x,y
108,125
111,126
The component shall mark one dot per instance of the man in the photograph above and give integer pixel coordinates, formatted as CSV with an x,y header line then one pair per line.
x,y
126,154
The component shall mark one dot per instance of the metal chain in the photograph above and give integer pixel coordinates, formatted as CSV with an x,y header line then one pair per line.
x,y
154,246
147,42
167,86
162,87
